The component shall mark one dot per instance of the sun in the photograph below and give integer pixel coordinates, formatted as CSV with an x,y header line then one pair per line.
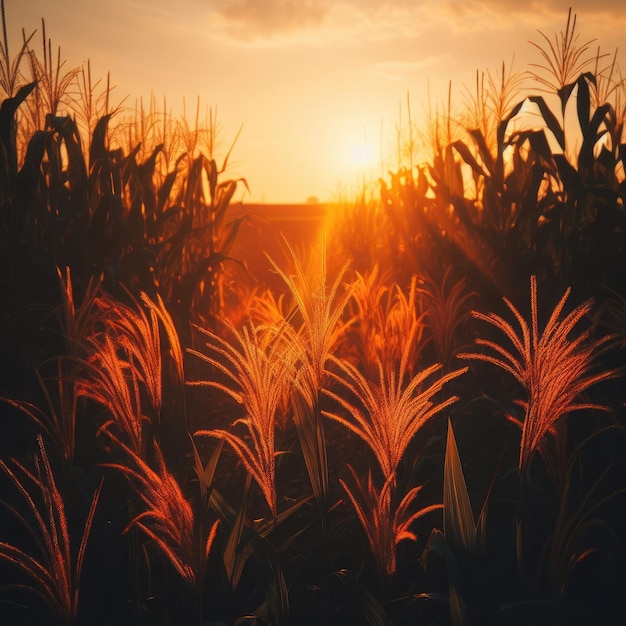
x,y
352,155
362,156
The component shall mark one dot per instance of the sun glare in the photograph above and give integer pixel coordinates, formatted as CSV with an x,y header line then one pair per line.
x,y
362,156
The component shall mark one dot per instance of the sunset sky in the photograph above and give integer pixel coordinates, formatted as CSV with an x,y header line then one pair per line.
x,y
317,84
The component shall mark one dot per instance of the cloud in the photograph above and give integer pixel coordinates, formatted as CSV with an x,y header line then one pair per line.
x,y
247,20
537,8
318,22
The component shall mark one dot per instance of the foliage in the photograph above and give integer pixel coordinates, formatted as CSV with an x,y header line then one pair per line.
x,y
320,310
116,237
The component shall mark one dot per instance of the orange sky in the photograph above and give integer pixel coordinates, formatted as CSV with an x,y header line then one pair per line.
x,y
314,82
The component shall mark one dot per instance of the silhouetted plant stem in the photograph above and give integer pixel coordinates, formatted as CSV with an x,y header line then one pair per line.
x,y
323,508
134,550
518,527
310,428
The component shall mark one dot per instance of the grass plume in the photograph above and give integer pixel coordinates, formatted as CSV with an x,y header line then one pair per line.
x,y
385,523
112,382
391,411
167,518
384,316
136,331
445,311
554,366
57,570
260,366
320,309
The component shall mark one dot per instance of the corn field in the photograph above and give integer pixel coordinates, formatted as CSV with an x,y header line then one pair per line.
x,y
423,425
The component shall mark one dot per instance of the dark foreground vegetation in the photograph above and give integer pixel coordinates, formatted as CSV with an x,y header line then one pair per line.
x,y
430,433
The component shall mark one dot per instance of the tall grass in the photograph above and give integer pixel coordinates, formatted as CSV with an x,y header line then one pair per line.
x,y
446,309
113,382
316,315
260,364
386,416
386,522
61,390
78,320
318,307
136,331
167,518
388,413
554,366
316,318
58,419
123,357
56,571
383,318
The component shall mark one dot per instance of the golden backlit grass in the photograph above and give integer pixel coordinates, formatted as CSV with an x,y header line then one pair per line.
x,y
152,213
386,523
167,518
555,366
384,316
390,411
260,367
55,572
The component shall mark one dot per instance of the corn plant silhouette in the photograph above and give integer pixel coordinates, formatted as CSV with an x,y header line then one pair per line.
x,y
562,59
261,366
10,74
553,366
54,81
56,571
